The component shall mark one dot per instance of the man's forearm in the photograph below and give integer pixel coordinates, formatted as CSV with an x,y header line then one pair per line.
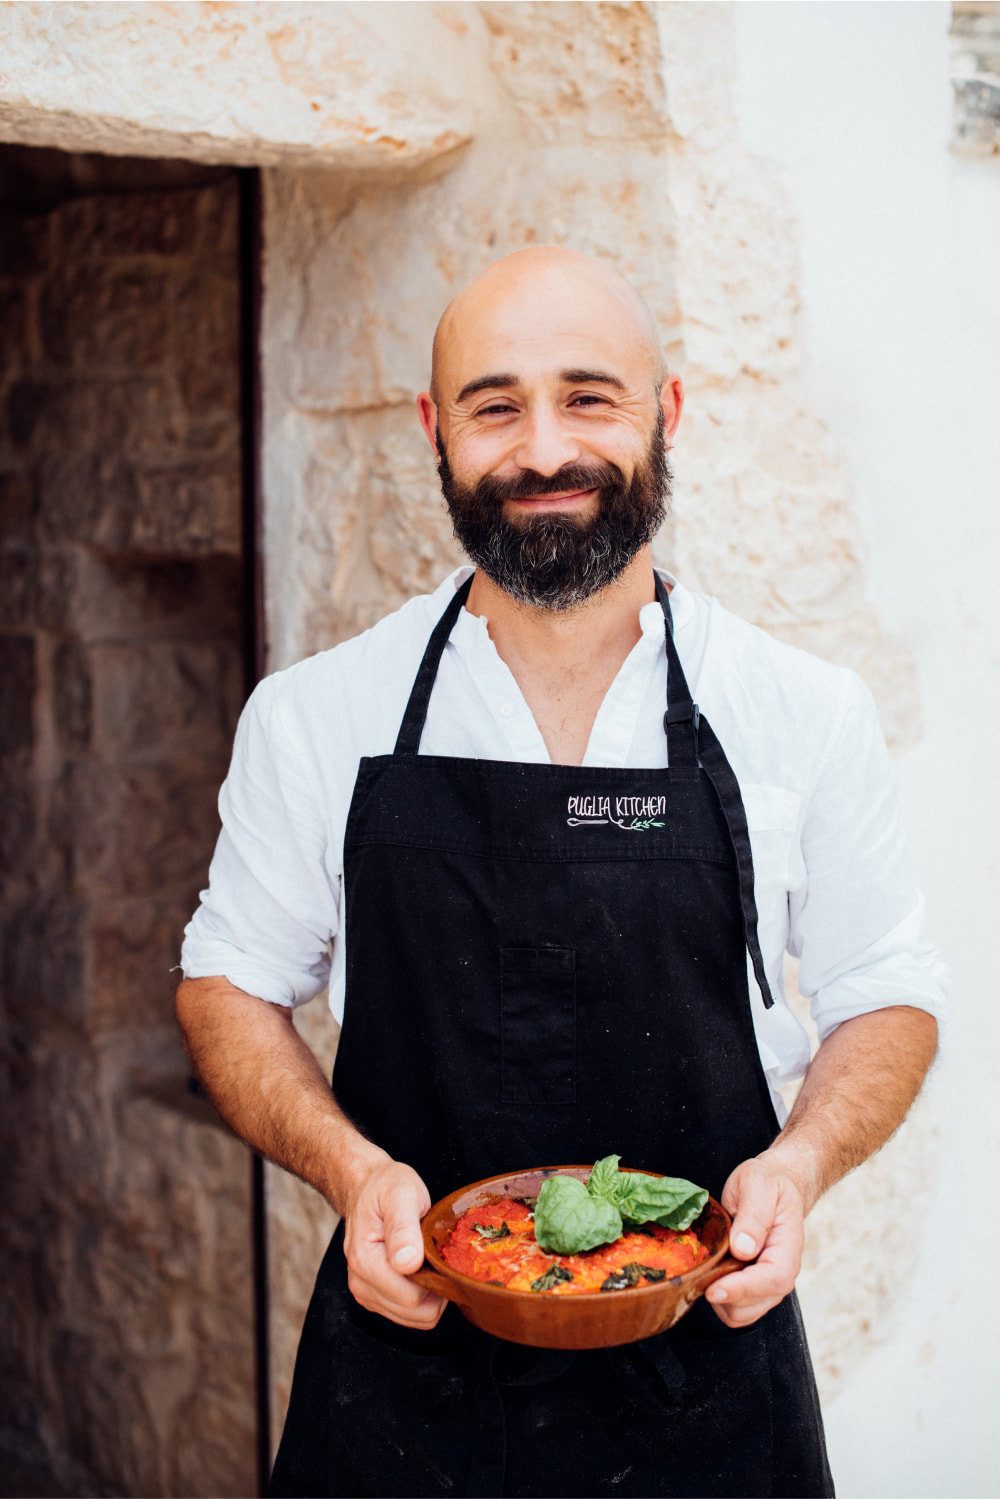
x,y
268,1087
856,1093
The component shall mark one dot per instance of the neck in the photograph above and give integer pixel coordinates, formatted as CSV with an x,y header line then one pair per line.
x,y
565,661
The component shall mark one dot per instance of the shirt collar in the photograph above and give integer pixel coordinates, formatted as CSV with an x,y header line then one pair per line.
x,y
650,615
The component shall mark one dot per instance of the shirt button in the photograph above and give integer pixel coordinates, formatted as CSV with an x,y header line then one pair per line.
x,y
506,710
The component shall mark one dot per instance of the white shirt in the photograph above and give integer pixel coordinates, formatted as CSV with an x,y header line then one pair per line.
x,y
832,878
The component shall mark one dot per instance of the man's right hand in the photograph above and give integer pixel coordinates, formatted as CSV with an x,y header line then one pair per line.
x,y
384,1245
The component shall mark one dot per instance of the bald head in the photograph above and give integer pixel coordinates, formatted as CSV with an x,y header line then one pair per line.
x,y
542,292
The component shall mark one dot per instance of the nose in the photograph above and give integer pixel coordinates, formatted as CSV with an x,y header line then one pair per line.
x,y
545,444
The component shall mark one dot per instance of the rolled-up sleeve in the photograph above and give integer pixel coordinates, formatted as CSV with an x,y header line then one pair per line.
x,y
272,904
856,917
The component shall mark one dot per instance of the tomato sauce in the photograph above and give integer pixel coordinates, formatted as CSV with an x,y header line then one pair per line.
x,y
516,1260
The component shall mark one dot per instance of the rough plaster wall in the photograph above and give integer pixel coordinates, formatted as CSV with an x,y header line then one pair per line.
x,y
357,272
763,516
764,519
127,1357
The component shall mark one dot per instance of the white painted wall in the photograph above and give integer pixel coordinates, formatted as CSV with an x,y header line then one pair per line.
x,y
900,244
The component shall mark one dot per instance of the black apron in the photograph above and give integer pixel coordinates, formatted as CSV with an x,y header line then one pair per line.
x,y
547,964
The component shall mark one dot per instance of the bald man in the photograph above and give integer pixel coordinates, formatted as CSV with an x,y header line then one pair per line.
x,y
557,824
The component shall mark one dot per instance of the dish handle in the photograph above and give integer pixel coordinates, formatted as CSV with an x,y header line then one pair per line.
x,y
726,1266
432,1280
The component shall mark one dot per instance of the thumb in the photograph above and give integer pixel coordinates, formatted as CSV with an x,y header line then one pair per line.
x,y
404,1241
753,1214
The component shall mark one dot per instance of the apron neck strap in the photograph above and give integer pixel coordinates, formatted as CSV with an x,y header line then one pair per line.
x,y
410,730
682,742
691,741
682,718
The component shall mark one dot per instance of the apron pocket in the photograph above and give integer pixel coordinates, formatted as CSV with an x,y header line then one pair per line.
x,y
538,1024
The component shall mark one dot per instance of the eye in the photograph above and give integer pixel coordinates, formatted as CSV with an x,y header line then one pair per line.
x,y
496,408
588,398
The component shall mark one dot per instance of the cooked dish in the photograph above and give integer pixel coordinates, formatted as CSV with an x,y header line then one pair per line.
x,y
497,1244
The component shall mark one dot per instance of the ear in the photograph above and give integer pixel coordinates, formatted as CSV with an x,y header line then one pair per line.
x,y
428,418
672,402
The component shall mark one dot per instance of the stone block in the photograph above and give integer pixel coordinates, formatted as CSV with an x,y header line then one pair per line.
x,y
135,223
85,498
104,315
148,415
57,571
17,506
18,681
606,83
17,824
135,598
14,321
187,509
190,509
25,244
218,240
167,700
72,694
132,947
144,830
25,403
43,956
76,413
108,1424
206,321
18,589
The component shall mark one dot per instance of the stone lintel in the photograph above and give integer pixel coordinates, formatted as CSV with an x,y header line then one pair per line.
x,y
245,84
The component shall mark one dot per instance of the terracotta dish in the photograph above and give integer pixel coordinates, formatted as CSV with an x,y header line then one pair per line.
x,y
599,1319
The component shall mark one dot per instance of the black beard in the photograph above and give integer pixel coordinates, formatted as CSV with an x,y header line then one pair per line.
x,y
556,561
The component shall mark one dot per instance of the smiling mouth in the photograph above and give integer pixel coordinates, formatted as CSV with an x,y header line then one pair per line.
x,y
554,501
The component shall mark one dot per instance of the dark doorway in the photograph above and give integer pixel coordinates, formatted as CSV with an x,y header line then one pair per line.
x,y
127,1288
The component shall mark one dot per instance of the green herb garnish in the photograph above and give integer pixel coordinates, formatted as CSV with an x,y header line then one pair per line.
x,y
571,1216
553,1275
487,1231
630,1275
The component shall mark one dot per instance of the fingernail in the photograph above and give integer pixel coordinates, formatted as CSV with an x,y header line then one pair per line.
x,y
714,1295
406,1253
743,1244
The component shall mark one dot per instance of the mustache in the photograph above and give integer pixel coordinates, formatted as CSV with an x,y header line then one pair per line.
x,y
494,490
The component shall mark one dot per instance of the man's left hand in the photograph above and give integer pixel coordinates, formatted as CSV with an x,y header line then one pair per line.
x,y
768,1215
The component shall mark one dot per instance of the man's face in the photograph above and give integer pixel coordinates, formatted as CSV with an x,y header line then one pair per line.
x,y
557,558
549,425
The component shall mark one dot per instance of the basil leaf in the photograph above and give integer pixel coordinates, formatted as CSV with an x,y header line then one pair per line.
x,y
553,1275
669,1201
623,1279
568,1219
603,1179
485,1231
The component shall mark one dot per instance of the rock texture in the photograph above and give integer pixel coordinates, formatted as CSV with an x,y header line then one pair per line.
x,y
127,1351
352,85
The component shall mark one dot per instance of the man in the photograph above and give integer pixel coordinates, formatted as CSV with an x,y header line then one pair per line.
x,y
544,893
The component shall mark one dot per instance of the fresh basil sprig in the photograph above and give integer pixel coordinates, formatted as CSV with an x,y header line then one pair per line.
x,y
571,1216
569,1219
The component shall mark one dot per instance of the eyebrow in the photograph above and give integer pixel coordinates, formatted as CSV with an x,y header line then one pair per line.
x,y
568,377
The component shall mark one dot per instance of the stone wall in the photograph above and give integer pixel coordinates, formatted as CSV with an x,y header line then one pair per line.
x,y
127,1358
629,149
975,76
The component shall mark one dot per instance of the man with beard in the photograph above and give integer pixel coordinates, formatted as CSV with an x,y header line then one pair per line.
x,y
532,972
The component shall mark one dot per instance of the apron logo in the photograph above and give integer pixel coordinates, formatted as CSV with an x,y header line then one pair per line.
x,y
636,814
